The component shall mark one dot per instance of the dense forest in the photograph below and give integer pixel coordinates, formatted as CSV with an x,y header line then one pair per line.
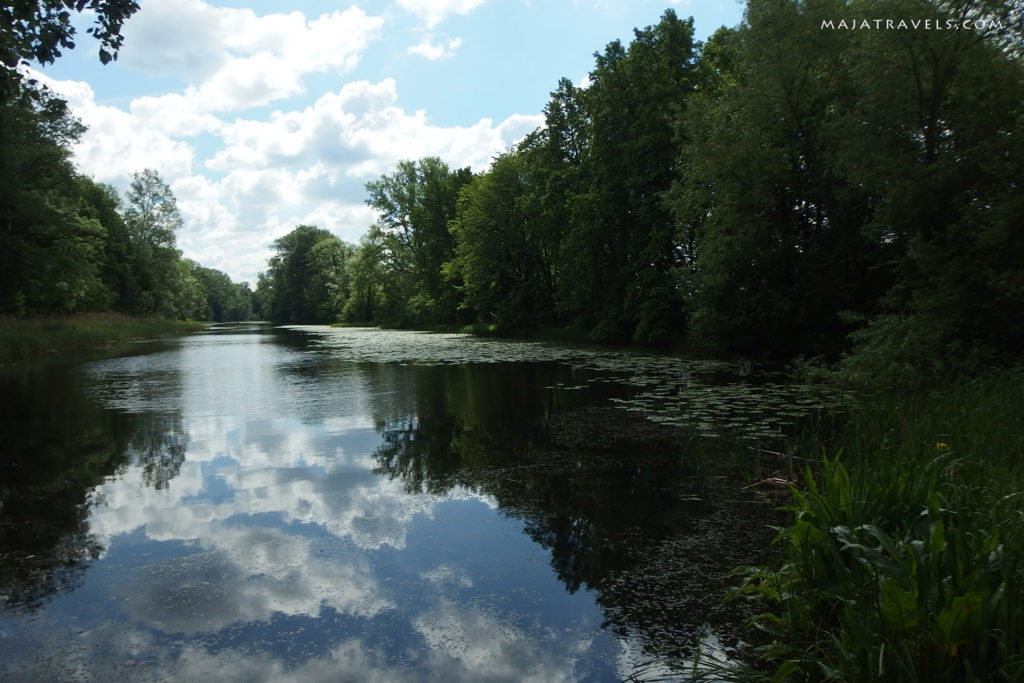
x,y
791,186
788,187
69,244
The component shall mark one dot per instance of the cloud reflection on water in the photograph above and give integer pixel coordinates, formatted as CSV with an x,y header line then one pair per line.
x,y
278,515
299,511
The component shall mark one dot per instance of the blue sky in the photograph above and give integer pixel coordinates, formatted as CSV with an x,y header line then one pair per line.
x,y
262,115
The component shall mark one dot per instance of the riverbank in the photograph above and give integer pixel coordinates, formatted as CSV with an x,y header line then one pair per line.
x,y
904,554
29,339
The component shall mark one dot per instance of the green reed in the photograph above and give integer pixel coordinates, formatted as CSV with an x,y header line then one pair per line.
x,y
36,338
904,558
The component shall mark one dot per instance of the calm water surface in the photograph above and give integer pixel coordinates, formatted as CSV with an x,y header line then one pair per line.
x,y
315,504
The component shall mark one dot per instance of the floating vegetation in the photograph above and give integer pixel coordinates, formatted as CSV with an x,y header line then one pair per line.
x,y
746,401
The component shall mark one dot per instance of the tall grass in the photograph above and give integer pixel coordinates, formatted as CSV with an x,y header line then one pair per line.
x,y
34,338
904,560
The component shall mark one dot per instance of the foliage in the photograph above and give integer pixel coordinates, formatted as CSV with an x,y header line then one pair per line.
x,y
152,218
49,251
568,229
415,205
37,30
502,256
625,281
307,280
366,302
820,193
69,245
905,556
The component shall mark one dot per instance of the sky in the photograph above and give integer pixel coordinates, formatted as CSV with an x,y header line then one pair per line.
x,y
262,115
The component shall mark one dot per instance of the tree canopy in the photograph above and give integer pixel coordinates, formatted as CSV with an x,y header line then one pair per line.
x,y
71,245
782,189
785,188
38,30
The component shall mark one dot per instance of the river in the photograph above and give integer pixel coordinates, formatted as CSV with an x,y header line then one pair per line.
x,y
318,504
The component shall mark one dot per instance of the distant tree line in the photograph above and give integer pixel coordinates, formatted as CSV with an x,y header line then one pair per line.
x,y
785,188
782,189
71,245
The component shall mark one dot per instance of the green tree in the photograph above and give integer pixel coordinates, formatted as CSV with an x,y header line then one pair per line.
x,y
306,281
829,175
192,297
768,203
621,244
152,218
101,203
502,257
366,300
38,30
941,149
415,205
51,248
559,168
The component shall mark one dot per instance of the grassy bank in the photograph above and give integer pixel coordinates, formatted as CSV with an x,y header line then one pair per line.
x,y
23,339
905,551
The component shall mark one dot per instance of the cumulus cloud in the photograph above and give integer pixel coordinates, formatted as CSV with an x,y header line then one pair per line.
x,y
242,177
119,143
233,59
437,51
433,12
361,127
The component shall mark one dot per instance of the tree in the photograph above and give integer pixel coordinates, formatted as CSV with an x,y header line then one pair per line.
x,y
38,30
620,245
366,299
152,218
192,297
101,203
948,177
306,280
818,194
51,247
415,205
502,257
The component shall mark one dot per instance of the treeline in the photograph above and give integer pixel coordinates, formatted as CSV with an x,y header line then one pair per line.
x,y
70,245
768,192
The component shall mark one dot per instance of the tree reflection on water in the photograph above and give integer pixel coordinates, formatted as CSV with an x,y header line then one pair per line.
x,y
621,505
58,446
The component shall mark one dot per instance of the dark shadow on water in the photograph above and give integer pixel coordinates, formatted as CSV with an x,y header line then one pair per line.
x,y
56,446
627,508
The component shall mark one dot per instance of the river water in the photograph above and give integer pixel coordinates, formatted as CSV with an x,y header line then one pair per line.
x,y
317,504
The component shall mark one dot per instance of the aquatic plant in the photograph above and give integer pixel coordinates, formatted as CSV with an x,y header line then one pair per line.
x,y
29,338
904,557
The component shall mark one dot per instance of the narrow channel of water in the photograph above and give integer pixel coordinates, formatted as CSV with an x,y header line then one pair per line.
x,y
310,504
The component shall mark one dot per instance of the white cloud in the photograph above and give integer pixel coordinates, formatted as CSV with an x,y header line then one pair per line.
x,y
233,59
119,143
433,12
433,52
242,182
471,645
248,82
173,115
181,38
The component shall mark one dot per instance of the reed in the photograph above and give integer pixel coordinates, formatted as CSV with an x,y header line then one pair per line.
x,y
23,339
904,557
